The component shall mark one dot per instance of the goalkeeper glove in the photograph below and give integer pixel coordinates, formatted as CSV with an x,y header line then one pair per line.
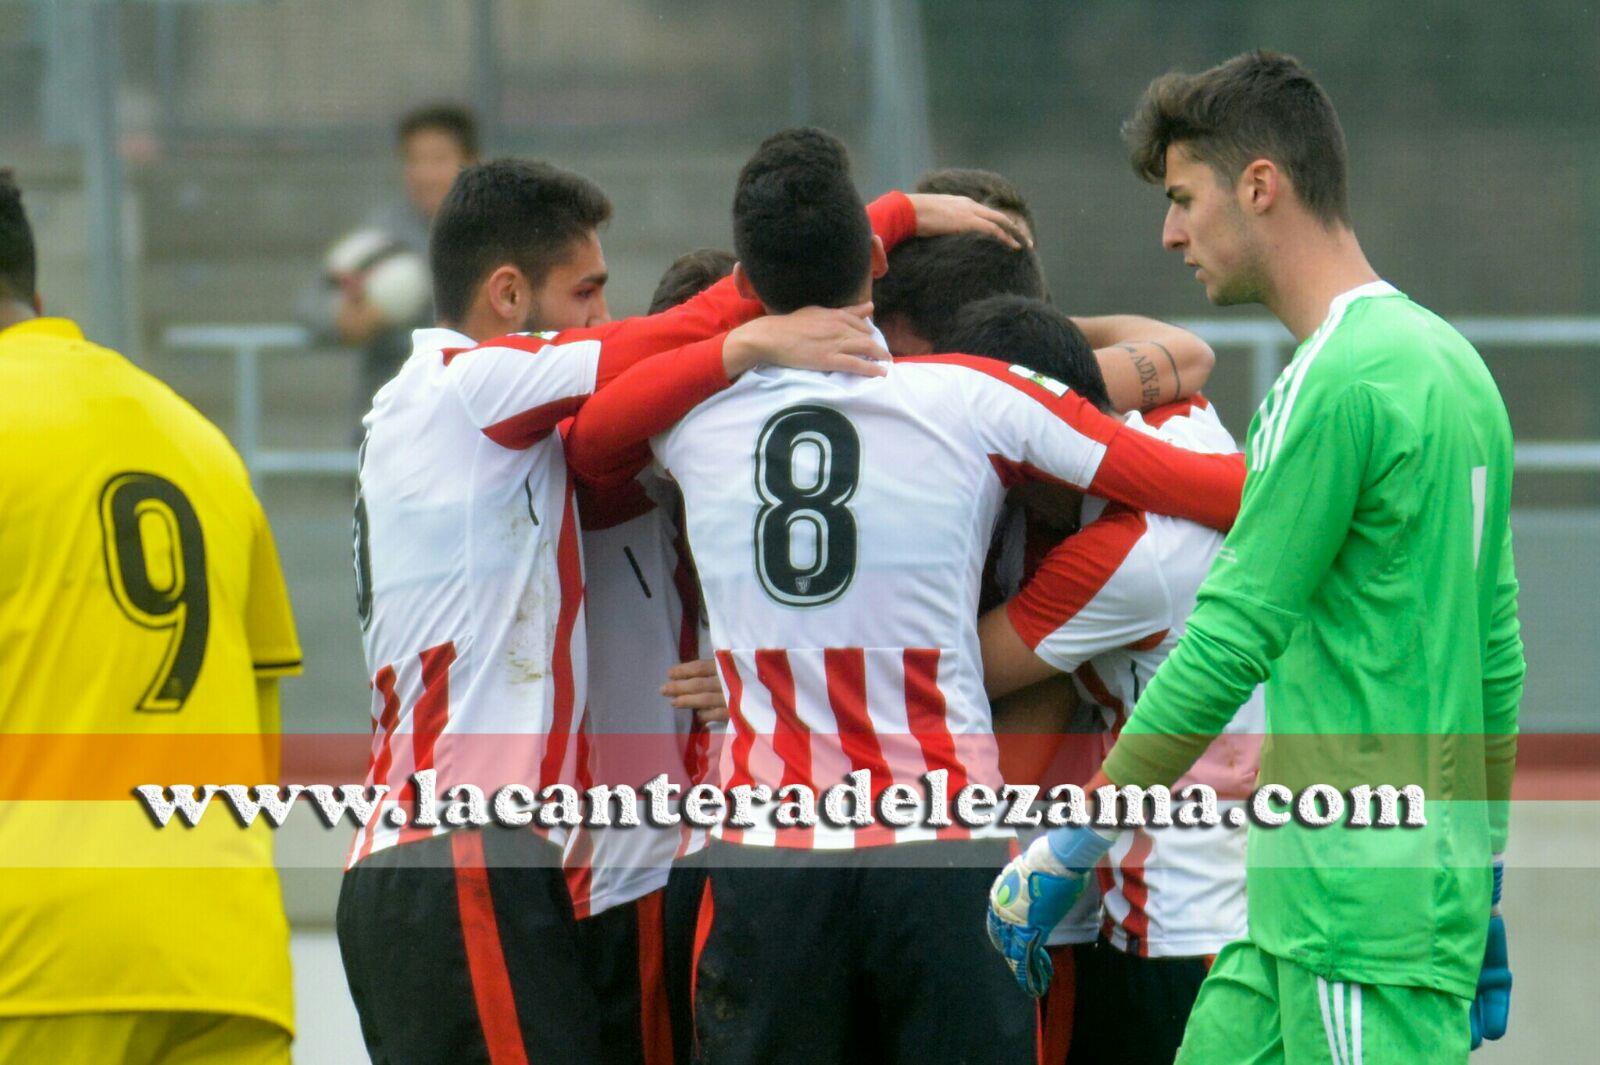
x,y
1031,895
1491,1007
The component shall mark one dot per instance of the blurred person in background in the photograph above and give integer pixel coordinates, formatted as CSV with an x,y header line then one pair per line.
x,y
374,287
146,626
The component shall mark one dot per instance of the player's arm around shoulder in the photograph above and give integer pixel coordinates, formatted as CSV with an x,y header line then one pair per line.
x,y
1146,362
1100,589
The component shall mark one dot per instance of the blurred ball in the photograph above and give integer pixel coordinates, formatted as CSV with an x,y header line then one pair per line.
x,y
394,278
400,288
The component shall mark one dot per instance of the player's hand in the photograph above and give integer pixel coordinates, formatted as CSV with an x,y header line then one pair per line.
x,y
939,214
357,319
1491,1006
1033,893
812,338
695,686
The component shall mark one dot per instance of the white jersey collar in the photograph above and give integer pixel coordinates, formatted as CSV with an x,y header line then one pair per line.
x,y
437,338
1344,299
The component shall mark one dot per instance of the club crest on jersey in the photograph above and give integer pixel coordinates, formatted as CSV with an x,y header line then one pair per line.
x,y
1050,384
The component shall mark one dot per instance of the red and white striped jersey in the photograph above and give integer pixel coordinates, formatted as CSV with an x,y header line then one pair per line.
x,y
1107,605
643,617
468,563
840,524
469,573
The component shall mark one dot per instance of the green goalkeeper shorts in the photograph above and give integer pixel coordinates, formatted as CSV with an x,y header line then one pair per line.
x,y
1257,1009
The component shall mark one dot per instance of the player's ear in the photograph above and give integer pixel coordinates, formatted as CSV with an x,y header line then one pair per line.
x,y
507,293
38,304
1259,186
880,258
741,283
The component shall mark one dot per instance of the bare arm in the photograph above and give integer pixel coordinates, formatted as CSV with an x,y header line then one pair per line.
x,y
1031,724
1145,362
1009,664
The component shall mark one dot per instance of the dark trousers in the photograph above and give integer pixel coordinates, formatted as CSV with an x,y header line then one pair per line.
x,y
686,886
1132,1010
624,951
877,954
462,949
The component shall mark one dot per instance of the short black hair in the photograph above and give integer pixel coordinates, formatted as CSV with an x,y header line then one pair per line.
x,y
1259,105
1032,334
689,275
799,226
19,266
507,211
985,186
931,278
453,120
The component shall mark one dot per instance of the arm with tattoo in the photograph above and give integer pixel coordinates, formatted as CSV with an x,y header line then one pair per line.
x,y
1145,362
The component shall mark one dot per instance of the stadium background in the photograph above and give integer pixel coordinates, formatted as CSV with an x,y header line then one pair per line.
x,y
187,163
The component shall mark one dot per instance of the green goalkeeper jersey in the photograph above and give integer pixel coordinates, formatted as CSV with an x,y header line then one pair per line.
x,y
1369,582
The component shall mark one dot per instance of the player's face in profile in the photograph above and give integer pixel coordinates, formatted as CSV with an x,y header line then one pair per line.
x,y
431,160
1205,223
574,292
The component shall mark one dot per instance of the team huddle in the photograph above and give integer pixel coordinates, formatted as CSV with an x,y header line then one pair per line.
x,y
524,447
857,500
859,496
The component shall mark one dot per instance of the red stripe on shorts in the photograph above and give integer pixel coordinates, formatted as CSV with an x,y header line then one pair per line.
x,y
486,960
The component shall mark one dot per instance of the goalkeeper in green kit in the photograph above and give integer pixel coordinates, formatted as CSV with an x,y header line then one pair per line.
x,y
1369,583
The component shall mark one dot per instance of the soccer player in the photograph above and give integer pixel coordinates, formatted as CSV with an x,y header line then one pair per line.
x,y
689,275
147,626
986,187
643,617
1105,606
838,532
643,614
470,589
654,738
1144,362
1369,582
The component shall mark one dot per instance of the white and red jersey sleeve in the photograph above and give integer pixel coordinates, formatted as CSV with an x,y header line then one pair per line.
x,y
517,388
1098,590
1037,428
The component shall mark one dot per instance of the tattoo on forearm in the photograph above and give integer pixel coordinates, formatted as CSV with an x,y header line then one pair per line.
x,y
1176,380
1145,367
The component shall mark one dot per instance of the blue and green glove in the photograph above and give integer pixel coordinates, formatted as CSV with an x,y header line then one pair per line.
x,y
1034,892
1491,1007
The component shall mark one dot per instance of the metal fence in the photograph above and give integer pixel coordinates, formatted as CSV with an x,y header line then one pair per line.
x,y
1267,341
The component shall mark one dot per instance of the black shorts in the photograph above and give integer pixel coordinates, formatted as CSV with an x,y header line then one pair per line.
x,y
1132,1010
623,951
686,884
462,948
877,955
1058,1010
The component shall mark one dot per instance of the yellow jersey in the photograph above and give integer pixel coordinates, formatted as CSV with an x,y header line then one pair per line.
x,y
143,621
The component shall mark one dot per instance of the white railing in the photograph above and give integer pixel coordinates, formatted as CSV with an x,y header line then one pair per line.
x,y
1268,342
